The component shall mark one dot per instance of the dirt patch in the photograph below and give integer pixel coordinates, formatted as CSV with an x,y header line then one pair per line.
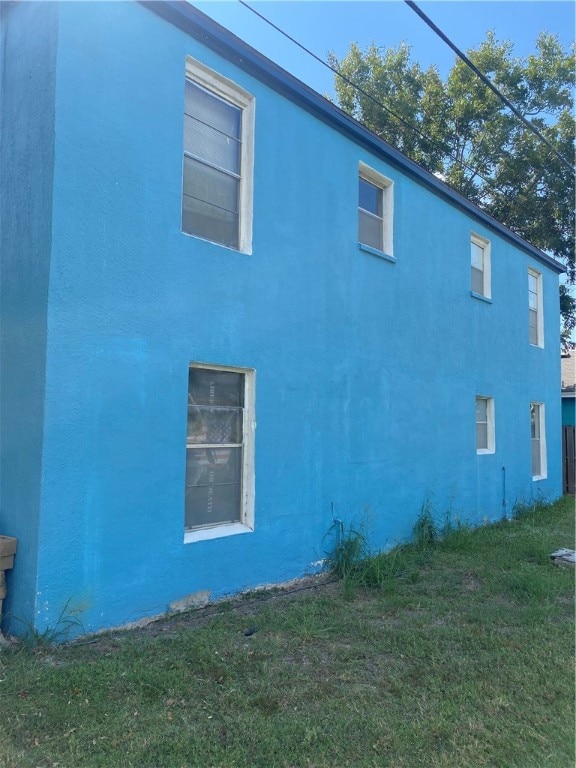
x,y
246,604
472,584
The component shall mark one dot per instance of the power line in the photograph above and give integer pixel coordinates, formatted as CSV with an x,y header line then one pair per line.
x,y
358,88
487,81
475,172
337,72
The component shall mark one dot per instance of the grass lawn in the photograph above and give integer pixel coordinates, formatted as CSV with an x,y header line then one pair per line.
x,y
462,656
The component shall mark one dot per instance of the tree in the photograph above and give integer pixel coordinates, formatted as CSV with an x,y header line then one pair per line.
x,y
460,130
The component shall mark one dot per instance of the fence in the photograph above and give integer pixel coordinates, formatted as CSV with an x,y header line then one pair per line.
x,y
569,459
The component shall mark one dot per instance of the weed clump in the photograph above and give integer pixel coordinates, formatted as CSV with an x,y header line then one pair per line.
x,y
67,621
356,565
425,532
532,510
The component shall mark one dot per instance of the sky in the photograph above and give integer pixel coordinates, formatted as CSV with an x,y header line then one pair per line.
x,y
331,25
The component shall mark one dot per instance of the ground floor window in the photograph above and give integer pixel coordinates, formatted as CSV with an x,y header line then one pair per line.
x,y
538,440
219,448
485,430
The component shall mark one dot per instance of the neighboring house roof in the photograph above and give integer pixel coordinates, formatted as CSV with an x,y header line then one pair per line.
x,y
210,33
569,373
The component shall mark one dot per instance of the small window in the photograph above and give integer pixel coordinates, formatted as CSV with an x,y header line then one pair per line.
x,y
217,163
375,210
485,432
538,441
535,318
219,450
480,266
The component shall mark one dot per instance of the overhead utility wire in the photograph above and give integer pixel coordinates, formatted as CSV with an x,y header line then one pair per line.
x,y
334,70
487,82
369,96
489,182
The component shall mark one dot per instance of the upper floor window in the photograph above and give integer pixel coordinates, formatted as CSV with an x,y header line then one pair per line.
x,y
485,431
535,317
375,210
218,159
480,266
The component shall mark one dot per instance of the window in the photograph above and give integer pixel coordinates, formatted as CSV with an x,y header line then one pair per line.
x,y
219,451
535,319
218,159
480,266
485,433
538,441
375,210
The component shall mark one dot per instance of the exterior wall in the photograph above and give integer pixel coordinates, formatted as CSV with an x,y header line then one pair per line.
x,y
367,371
28,49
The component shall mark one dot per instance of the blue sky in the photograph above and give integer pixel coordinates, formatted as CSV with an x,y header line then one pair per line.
x,y
331,25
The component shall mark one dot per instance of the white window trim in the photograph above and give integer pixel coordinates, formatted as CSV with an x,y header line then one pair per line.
x,y
540,311
387,187
246,524
490,425
543,452
230,91
483,243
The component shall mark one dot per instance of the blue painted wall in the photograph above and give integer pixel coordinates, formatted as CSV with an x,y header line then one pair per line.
x,y
367,371
28,33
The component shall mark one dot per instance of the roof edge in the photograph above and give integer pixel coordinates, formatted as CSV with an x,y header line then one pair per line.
x,y
207,31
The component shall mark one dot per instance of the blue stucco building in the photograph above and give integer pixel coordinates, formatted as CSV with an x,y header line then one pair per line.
x,y
232,316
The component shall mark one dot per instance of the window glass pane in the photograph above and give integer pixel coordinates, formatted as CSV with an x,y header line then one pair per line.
x,y
211,146
212,110
533,326
535,421
536,462
210,222
477,256
210,185
213,466
370,197
370,230
477,281
532,300
208,424
212,505
482,436
208,386
532,283
213,485
481,409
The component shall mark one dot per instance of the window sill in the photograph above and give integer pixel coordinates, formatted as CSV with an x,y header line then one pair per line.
x,y
216,532
247,251
485,451
376,252
535,478
481,297
537,346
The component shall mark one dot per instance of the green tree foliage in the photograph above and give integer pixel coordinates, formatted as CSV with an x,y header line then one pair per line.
x,y
468,137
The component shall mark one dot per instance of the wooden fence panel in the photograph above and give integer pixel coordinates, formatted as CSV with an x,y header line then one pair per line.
x,y
569,459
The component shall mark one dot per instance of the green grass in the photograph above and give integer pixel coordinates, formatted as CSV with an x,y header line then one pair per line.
x,y
460,654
